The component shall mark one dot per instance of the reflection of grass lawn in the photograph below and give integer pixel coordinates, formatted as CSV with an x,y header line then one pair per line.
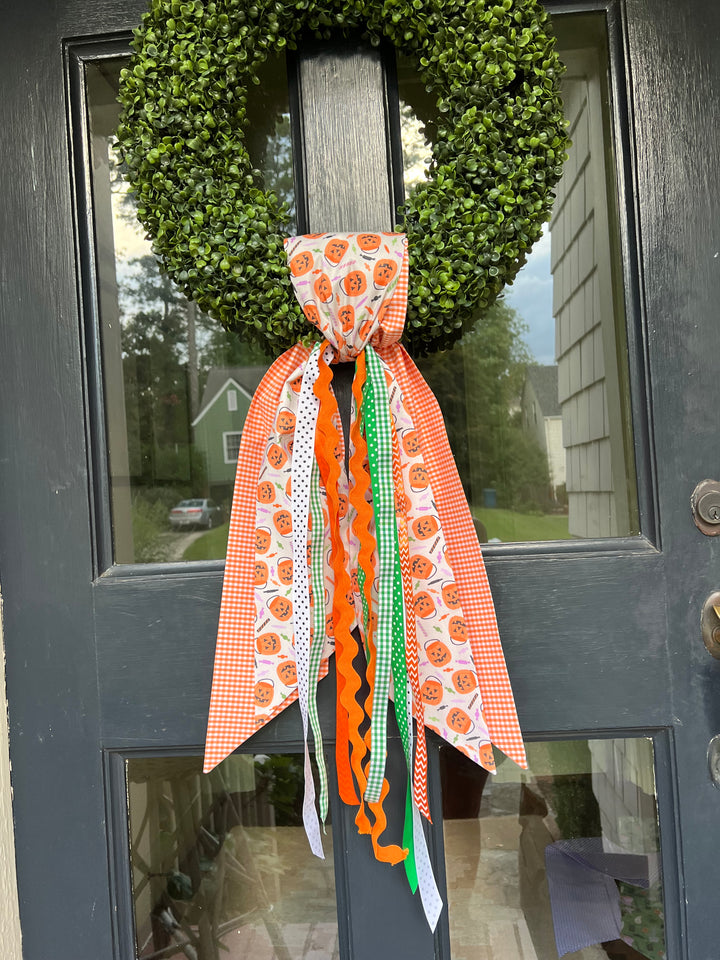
x,y
506,525
210,546
509,526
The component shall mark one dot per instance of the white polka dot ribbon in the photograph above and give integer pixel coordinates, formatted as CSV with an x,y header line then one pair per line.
x,y
302,464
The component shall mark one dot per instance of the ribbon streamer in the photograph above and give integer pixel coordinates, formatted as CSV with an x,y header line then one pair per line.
x,y
378,563
300,482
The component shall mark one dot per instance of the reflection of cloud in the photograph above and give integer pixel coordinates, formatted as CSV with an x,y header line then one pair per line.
x,y
129,234
531,296
417,152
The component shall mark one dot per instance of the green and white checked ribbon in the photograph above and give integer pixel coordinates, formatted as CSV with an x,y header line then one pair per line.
x,y
379,445
391,631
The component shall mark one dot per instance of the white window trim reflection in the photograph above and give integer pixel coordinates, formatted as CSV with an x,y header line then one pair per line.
x,y
226,449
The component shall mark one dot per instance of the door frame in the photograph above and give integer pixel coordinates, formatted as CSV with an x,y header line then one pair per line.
x,y
50,736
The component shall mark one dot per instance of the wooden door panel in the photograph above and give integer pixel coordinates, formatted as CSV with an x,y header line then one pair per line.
x,y
575,643
675,130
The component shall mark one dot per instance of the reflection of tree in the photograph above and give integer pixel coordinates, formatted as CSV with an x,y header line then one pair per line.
x,y
168,349
155,370
478,385
268,135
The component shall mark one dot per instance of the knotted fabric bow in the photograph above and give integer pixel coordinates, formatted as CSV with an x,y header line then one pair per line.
x,y
378,563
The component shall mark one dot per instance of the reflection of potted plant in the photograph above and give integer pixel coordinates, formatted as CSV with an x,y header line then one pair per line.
x,y
279,777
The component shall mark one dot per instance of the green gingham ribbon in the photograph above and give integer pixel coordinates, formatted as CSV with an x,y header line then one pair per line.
x,y
317,582
390,633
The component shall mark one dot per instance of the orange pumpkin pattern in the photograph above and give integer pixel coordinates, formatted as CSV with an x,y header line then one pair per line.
x,y
301,264
346,290
335,250
287,673
354,283
286,421
274,661
369,242
323,288
347,317
265,492
384,272
267,643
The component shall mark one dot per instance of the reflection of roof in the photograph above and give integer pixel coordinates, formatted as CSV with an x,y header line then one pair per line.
x,y
246,378
545,384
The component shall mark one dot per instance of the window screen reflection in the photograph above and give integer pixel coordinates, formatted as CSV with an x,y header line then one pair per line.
x,y
560,860
177,386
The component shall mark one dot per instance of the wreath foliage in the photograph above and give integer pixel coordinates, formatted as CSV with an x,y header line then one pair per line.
x,y
498,149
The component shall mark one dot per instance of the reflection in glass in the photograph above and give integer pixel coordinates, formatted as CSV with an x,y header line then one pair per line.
x,y
536,396
177,386
559,860
221,864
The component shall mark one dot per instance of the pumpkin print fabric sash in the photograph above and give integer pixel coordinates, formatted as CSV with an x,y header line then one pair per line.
x,y
378,563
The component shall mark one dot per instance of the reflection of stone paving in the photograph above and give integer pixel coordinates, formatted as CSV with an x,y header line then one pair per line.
x,y
300,941
487,921
174,545
301,920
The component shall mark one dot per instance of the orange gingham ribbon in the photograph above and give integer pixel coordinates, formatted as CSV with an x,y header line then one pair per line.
x,y
232,707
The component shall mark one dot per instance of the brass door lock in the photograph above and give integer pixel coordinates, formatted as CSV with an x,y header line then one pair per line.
x,y
705,506
710,624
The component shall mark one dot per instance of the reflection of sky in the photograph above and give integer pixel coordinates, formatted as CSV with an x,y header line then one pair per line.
x,y
531,296
531,293
130,241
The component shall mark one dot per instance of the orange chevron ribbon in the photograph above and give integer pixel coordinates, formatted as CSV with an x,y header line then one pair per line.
x,y
420,790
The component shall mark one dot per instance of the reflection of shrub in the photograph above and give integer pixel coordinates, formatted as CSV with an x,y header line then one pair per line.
x,y
149,522
167,496
150,509
280,777
531,507
577,812
182,465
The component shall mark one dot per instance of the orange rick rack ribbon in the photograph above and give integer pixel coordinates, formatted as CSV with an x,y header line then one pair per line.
x,y
380,560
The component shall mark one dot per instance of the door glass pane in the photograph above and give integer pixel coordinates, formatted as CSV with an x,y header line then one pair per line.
x,y
561,859
536,396
221,865
177,386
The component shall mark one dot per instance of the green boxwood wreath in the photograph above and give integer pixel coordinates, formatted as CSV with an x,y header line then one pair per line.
x,y
498,150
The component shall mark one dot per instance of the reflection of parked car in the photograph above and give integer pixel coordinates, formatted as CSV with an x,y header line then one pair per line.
x,y
195,513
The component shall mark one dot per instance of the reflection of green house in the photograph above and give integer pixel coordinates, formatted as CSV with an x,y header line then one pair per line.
x,y
219,424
